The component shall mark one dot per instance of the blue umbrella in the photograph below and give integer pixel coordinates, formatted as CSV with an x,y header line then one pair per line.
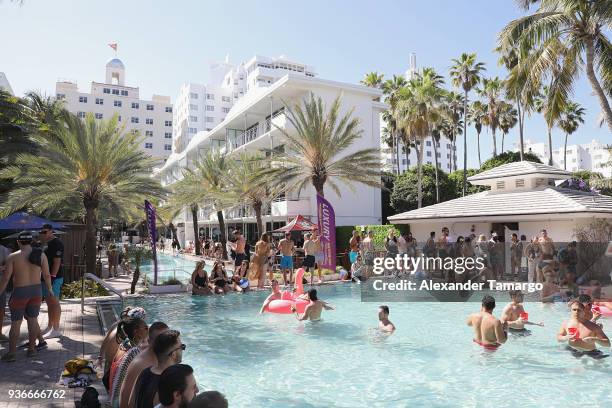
x,y
25,221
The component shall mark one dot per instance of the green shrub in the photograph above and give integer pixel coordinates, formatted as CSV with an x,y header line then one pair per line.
x,y
172,281
72,290
508,157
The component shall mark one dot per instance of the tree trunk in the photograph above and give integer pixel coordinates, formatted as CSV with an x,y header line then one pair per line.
x,y
90,236
397,154
603,100
260,227
135,278
419,175
465,100
494,143
196,232
478,140
520,123
565,153
433,140
223,234
503,138
550,155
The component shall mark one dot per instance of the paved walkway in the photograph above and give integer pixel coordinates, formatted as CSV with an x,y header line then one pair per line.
x,y
81,339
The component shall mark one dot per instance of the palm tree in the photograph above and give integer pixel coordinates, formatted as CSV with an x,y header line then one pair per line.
x,y
550,105
571,117
435,139
476,116
465,73
373,80
86,166
508,118
491,91
557,34
452,102
419,112
313,152
391,89
207,185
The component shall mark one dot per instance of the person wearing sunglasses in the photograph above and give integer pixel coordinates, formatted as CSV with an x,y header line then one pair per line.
x,y
168,350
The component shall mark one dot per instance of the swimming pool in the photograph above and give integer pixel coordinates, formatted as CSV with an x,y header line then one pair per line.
x,y
171,267
274,361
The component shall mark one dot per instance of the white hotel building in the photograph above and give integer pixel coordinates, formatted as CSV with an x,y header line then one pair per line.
x,y
589,156
151,118
250,125
4,84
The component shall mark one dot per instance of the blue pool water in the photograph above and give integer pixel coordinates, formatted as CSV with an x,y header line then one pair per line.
x,y
171,267
430,361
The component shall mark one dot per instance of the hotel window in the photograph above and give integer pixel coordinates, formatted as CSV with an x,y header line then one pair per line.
x,y
148,145
428,143
210,97
208,129
193,107
80,114
428,162
438,155
99,101
106,90
226,99
149,133
99,116
124,93
448,146
134,119
210,108
193,130
119,118
167,147
149,107
519,183
193,118
403,161
168,109
210,119
117,103
168,135
428,153
193,95
83,99
115,92
149,121
235,95
135,105
168,123
134,131
448,155
225,110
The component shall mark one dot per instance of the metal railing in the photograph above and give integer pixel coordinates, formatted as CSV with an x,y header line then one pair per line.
x,y
106,286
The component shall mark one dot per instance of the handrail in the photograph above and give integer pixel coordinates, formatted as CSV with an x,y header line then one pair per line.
x,y
106,286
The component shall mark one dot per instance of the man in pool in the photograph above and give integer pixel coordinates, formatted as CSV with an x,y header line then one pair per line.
x,y
384,324
488,330
589,314
275,295
314,309
513,314
286,249
582,335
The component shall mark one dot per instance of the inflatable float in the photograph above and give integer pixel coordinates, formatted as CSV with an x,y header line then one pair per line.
x,y
289,299
605,311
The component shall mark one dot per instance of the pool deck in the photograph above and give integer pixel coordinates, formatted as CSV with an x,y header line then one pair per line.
x,y
81,338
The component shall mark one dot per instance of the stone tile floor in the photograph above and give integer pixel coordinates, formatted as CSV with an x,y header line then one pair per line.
x,y
81,339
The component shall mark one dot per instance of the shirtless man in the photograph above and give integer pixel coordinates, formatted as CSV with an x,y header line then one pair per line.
x,y
25,267
318,254
239,248
589,313
581,334
488,330
384,324
287,248
354,245
314,309
367,246
547,250
275,295
550,290
512,314
310,247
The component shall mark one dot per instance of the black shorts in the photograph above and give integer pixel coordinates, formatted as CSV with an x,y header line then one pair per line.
x,y
239,258
309,261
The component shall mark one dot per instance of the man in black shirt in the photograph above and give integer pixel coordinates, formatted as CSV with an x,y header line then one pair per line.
x,y
168,350
55,255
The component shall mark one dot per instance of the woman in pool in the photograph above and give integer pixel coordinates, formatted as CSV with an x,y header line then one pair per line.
x,y
260,260
218,278
243,270
199,280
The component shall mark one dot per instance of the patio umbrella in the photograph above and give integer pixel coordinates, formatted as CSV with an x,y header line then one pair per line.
x,y
23,221
299,223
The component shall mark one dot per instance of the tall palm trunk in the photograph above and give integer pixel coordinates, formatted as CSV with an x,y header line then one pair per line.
x,y
565,153
494,142
419,175
603,100
433,140
465,142
478,141
257,206
196,233
91,209
223,234
550,155
520,123
503,138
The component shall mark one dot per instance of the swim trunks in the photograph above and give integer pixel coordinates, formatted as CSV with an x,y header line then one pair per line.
x,y
26,301
596,354
56,285
487,346
239,258
309,261
319,257
286,262
353,256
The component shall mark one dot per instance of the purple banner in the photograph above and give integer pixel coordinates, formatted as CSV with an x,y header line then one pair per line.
x,y
151,216
327,232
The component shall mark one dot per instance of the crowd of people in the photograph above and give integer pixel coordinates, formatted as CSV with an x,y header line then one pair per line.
x,y
143,367
30,273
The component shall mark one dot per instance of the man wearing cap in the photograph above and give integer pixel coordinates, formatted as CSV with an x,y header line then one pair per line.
x,y
55,254
25,267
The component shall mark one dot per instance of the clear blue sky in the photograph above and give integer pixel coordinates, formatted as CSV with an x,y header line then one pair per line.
x,y
164,44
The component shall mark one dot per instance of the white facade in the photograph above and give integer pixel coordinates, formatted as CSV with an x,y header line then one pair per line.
x,y
4,83
248,127
444,149
589,156
151,118
201,107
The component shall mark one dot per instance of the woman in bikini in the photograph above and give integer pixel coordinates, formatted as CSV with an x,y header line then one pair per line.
x,y
199,280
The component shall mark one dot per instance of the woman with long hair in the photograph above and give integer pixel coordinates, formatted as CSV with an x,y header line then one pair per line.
x,y
260,260
199,280
131,332
218,278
